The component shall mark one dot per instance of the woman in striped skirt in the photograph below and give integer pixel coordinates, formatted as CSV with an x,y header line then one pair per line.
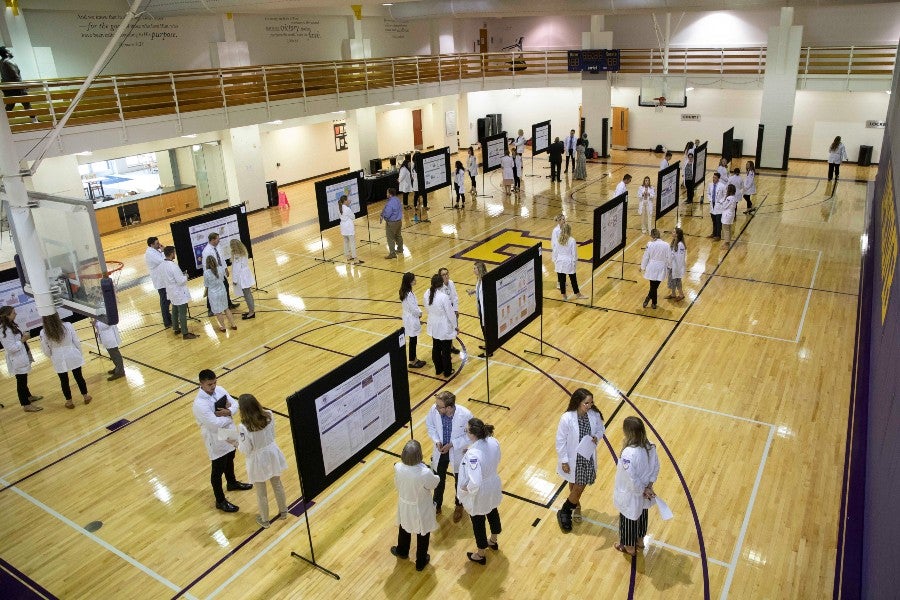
x,y
637,469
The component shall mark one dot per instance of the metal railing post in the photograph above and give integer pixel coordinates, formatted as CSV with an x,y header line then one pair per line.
x,y
266,90
337,85
224,98
122,113
393,80
175,98
303,90
53,111
366,74
849,67
418,80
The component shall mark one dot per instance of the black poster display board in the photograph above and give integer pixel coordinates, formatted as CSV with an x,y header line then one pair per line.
x,y
728,144
27,317
512,295
191,236
610,220
329,191
540,137
667,189
344,415
700,163
433,169
493,148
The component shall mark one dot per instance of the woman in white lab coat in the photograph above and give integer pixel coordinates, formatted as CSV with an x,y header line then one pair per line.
x,y
836,154
677,265
646,205
442,325
472,168
61,345
348,232
636,471
18,357
415,511
214,280
459,182
565,260
480,488
412,318
508,165
653,265
404,180
111,340
749,186
265,460
242,275
729,208
581,420
450,289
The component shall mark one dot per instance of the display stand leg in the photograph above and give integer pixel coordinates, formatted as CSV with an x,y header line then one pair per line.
x,y
483,188
487,379
702,192
452,198
312,552
532,167
322,241
369,228
256,287
622,275
541,351
190,318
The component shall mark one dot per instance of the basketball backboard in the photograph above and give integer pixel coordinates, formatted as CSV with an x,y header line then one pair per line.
x,y
65,230
667,90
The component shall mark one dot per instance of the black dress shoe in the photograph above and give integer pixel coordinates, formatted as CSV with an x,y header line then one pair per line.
x,y
396,553
226,506
454,350
237,486
419,567
565,520
480,561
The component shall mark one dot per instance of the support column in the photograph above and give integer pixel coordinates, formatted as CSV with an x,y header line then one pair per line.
x,y
779,89
19,43
442,40
229,52
244,172
356,46
440,107
467,135
596,92
362,137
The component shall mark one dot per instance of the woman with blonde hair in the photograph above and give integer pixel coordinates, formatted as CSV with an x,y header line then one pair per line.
x,y
415,511
265,460
637,470
565,261
214,280
18,357
242,276
61,345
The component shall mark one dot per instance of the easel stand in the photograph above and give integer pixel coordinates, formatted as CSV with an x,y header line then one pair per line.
x,y
592,295
621,277
453,201
532,167
312,551
322,241
257,288
487,379
369,228
541,351
189,317
483,188
702,193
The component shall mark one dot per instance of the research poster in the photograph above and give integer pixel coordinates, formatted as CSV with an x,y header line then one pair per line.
x,y
516,299
611,229
355,412
434,171
540,137
226,227
668,191
27,316
496,149
348,187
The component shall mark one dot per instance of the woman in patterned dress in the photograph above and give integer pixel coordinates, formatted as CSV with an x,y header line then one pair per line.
x,y
581,420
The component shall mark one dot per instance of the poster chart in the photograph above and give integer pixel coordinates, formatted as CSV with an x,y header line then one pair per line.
x,y
728,144
12,294
512,296
433,169
346,413
700,163
354,412
329,192
540,137
190,236
515,298
610,221
493,148
226,227
667,184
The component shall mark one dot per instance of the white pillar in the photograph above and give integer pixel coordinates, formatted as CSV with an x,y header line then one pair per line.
x,y
467,133
596,93
355,46
442,40
779,87
244,172
362,137
229,52
20,44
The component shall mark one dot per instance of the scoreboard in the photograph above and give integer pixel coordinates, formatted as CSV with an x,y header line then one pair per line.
x,y
594,61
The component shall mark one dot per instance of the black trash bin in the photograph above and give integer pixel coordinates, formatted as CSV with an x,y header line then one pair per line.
x,y
272,193
865,156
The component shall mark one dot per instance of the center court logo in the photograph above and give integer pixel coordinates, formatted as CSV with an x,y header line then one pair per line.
x,y
510,242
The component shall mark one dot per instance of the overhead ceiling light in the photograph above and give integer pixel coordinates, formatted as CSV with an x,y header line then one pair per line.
x,y
690,89
190,135
338,112
394,104
275,122
387,3
84,153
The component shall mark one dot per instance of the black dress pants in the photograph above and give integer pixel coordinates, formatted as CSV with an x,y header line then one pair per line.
x,y
403,540
224,465
493,519
442,466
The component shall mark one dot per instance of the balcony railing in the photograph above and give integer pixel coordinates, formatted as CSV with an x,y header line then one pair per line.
x,y
122,97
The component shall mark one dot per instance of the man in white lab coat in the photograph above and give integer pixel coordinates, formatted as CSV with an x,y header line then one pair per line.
x,y
716,194
446,422
154,258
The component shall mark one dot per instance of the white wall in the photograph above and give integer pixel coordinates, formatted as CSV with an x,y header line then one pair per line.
x,y
304,151
285,38
548,32
521,109
392,37
395,133
820,116
57,175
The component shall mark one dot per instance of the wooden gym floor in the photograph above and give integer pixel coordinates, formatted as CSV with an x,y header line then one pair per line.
x,y
745,386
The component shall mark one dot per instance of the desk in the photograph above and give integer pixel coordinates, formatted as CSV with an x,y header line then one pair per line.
x,y
374,189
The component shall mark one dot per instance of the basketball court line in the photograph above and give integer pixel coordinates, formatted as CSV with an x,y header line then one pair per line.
x,y
96,539
812,284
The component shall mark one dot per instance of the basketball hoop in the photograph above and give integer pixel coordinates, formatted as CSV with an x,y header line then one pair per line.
x,y
88,279
660,103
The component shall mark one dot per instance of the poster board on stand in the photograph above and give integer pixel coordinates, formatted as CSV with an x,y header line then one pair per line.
x,y
700,164
493,148
540,137
191,236
512,295
667,189
329,191
610,221
433,169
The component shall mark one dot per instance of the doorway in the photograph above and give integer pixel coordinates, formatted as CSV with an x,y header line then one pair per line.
x,y
417,128
620,128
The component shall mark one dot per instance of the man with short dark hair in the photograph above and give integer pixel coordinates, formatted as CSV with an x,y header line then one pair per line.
x,y
570,149
214,410
154,258
9,73
555,152
392,215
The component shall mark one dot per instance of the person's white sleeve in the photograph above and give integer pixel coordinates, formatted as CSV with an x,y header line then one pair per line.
x,y
245,444
561,452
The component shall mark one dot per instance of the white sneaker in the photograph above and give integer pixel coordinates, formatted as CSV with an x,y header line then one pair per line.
x,y
261,522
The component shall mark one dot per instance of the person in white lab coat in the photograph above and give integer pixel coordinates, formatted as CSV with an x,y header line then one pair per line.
x,y
404,180
749,186
412,318
554,238
480,488
581,420
722,169
565,260
450,289
442,325
665,162
622,186
177,292
242,275
348,232
520,143
508,166
646,205
677,265
216,289
472,168
728,207
415,513
447,424
636,472
653,265
265,460
569,148
716,194
111,340
836,154
459,182
154,257
214,409
61,345
212,249
414,178
18,357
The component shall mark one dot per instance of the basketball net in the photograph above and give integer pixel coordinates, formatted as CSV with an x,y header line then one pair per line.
x,y
660,103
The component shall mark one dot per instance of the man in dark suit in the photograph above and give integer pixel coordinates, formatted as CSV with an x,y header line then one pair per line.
x,y
555,151
9,73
